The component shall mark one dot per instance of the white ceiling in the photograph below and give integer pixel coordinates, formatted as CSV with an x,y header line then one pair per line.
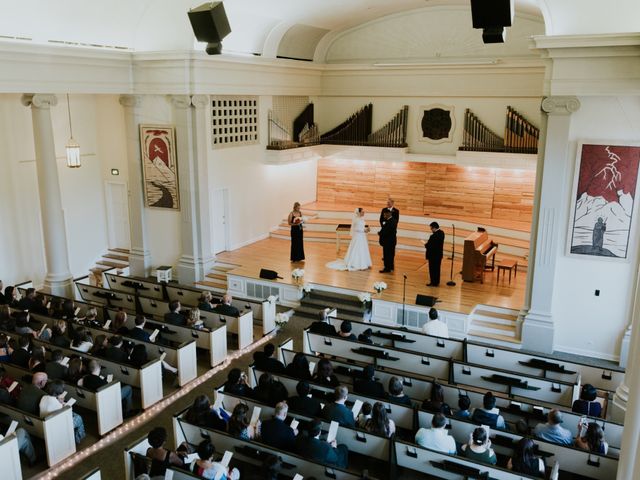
x,y
146,25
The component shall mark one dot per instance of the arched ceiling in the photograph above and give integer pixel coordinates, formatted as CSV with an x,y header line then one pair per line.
x,y
268,27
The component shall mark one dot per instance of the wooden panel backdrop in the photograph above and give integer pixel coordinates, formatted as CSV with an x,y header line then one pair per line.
x,y
436,189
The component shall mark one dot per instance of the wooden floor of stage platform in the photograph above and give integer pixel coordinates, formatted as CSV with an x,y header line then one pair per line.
x,y
273,253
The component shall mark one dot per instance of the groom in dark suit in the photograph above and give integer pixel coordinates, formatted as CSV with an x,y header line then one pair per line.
x,y
395,213
435,247
388,238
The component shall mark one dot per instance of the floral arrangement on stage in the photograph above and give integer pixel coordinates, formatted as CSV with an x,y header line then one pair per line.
x,y
282,318
379,286
272,298
365,298
305,289
297,273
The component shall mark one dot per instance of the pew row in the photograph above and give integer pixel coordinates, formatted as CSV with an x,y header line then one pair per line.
x,y
10,458
93,475
106,401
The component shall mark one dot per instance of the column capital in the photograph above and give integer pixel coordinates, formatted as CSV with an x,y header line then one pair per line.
x,y
130,101
180,101
560,105
39,100
200,101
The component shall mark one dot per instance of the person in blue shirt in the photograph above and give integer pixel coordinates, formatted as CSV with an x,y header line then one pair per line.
x,y
552,431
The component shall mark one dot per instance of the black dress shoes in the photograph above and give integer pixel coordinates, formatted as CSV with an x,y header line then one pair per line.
x,y
385,271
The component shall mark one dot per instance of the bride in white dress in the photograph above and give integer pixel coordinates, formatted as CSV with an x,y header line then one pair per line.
x,y
358,256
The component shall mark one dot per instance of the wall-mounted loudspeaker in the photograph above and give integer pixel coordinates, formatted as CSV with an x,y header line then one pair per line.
x,y
210,24
492,16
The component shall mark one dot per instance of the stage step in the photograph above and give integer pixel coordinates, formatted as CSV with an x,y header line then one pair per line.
x,y
494,317
114,256
214,285
502,340
336,299
494,322
217,276
111,264
343,308
120,250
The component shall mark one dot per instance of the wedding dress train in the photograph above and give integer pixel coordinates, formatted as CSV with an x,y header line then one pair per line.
x,y
358,256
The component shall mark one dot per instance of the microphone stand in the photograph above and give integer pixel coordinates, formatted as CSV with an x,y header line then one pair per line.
x,y
451,283
404,291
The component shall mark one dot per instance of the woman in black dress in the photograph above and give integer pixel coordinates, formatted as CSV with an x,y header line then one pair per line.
x,y
295,220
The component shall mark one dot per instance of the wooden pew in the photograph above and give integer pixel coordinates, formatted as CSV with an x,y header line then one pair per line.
x,y
572,459
249,451
515,385
110,298
183,356
56,429
541,365
148,378
106,401
10,458
407,339
93,475
413,457
400,360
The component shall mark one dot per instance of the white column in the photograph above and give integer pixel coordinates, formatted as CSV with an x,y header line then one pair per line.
x,y
139,256
58,279
190,117
538,328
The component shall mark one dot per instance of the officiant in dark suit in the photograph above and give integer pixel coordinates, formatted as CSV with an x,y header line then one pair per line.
x,y
388,239
395,213
435,247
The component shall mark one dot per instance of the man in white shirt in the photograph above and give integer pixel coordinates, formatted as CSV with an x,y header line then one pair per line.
x,y
435,326
436,438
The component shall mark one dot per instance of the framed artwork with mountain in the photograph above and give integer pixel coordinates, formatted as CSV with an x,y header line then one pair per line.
x,y
159,166
605,188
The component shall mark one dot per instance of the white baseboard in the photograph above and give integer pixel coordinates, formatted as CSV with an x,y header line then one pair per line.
x,y
587,353
249,242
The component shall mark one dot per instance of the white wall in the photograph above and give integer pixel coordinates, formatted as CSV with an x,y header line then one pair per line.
x,y
586,324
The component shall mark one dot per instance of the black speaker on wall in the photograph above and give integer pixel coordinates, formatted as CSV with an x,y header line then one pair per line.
x,y
426,300
210,24
492,16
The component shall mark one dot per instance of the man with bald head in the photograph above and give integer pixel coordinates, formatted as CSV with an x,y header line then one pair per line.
x,y
225,308
29,399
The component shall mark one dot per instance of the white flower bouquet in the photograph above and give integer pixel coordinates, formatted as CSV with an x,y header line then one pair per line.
x,y
281,319
297,273
364,297
272,298
305,289
379,286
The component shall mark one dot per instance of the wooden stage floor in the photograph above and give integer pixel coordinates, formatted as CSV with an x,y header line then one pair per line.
x,y
273,253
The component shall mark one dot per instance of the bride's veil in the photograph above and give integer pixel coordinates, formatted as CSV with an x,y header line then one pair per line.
x,y
356,217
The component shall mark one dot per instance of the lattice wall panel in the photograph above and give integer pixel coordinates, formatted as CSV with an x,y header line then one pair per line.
x,y
234,121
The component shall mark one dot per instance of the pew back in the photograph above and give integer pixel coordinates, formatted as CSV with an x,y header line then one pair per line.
x,y
10,458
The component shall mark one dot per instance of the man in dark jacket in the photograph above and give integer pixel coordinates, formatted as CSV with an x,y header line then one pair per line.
x,y
115,351
434,251
22,354
304,403
54,367
337,411
322,325
276,433
265,361
225,308
368,385
310,446
138,331
29,399
174,317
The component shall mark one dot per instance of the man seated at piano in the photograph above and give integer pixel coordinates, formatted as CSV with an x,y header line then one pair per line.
x,y
489,415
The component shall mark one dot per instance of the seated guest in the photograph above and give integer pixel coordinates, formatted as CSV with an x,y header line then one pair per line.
x,y
77,370
2,297
115,351
206,468
299,367
310,446
39,305
23,327
100,345
587,404
324,374
58,337
552,431
194,320
525,460
28,301
25,446
345,331
304,403
22,354
29,399
265,360
161,458
276,433
225,308
119,322
396,393
479,447
337,410
436,402
55,308
55,369
464,403
54,400
437,438
202,414
7,322
139,355
93,381
5,348
83,342
488,415
7,397
174,317
270,390
11,296
237,383
365,336
365,415
91,316
592,439
36,362
323,325
368,385
138,332
206,302
380,423
435,326
68,310
239,426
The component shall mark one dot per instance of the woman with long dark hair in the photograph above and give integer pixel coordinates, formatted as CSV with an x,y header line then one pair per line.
x,y
299,367
239,426
380,423
593,439
525,460
201,414
297,245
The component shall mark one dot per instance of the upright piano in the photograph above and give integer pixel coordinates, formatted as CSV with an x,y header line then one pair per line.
x,y
479,255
